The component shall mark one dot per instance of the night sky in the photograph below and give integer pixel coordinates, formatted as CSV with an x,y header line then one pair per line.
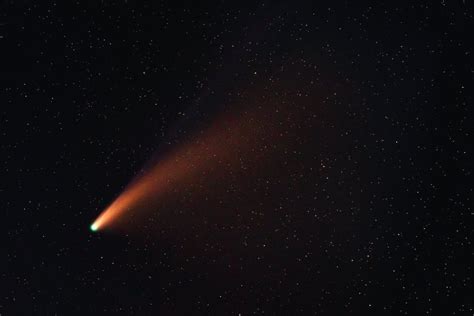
x,y
307,158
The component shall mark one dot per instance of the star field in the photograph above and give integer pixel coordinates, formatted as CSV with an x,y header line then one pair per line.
x,y
313,158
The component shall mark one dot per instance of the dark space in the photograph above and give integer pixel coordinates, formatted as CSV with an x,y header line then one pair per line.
x,y
345,190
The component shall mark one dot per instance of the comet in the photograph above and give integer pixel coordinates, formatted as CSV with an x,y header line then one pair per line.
x,y
220,145
212,152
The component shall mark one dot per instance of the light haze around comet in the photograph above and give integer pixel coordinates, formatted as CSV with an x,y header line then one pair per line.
x,y
232,138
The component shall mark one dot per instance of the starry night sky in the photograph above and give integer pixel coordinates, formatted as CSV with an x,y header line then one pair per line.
x,y
351,194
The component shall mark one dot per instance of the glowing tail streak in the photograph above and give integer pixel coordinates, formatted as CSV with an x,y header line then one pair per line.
x,y
146,188
224,142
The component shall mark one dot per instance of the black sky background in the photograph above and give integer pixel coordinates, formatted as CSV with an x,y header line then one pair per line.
x,y
366,209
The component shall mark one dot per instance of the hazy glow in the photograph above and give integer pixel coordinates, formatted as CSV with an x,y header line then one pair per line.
x,y
217,148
